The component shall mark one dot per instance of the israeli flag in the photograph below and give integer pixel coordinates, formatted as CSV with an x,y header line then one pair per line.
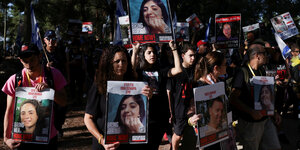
x,y
285,50
35,38
207,30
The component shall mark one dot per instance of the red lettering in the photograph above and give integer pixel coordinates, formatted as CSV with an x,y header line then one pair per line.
x,y
149,37
123,137
137,37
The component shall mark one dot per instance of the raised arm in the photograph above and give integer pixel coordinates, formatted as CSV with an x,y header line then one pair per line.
x,y
177,68
135,51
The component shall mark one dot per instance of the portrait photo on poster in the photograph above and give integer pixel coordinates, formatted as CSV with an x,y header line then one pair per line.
x,y
126,114
150,16
214,116
32,120
264,97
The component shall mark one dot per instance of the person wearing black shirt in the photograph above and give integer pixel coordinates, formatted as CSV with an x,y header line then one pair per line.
x,y
254,130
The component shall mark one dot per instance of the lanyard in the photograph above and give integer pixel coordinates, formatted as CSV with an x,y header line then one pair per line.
x,y
28,79
252,70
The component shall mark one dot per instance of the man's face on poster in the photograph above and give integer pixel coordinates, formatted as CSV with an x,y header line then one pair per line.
x,y
152,12
227,30
215,112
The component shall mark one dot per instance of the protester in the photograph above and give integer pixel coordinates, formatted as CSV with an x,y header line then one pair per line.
x,y
182,95
149,70
154,16
251,123
202,48
33,70
130,114
114,65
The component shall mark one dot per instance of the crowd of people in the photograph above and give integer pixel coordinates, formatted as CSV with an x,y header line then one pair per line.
x,y
171,70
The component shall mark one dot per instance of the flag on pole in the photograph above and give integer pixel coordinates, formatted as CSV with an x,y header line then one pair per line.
x,y
35,38
174,23
119,12
285,50
207,30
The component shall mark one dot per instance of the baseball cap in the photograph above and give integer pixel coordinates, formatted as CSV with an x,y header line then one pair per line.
x,y
28,50
201,42
50,33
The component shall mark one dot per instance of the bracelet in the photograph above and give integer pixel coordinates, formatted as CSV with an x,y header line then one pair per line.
x,y
174,49
100,138
189,122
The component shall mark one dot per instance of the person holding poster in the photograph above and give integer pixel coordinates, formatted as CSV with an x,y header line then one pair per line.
x,y
33,75
114,65
154,16
251,122
149,70
130,114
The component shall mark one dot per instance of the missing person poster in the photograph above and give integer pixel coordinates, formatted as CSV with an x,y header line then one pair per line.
x,y
284,26
227,30
125,29
32,115
127,115
150,21
264,94
194,22
87,27
254,28
211,104
182,32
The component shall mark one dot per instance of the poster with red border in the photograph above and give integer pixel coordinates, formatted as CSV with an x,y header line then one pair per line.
x,y
87,27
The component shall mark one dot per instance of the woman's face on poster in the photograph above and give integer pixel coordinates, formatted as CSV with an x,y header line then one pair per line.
x,y
29,115
152,12
266,96
129,110
215,112
227,30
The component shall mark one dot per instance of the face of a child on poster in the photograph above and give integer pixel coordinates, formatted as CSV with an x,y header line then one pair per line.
x,y
29,117
227,30
215,113
266,96
130,111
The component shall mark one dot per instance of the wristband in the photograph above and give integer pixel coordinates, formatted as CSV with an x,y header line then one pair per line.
x,y
100,138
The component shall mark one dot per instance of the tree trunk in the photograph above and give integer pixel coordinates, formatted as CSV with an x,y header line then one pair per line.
x,y
4,32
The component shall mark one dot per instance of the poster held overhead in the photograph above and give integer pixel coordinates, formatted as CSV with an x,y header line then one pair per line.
x,y
284,26
150,21
127,115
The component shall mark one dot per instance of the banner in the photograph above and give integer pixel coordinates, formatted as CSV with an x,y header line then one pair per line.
x,y
227,30
32,115
150,22
182,32
211,104
284,26
127,115
87,27
264,94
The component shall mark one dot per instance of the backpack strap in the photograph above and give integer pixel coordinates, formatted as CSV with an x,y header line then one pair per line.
x,y
18,79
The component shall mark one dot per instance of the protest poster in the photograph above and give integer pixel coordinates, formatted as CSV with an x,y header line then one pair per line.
x,y
227,29
87,27
32,115
211,103
254,28
127,115
284,26
194,22
125,30
182,32
150,22
264,95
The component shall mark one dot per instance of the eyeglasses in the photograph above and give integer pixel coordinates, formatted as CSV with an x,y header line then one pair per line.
x,y
53,39
296,51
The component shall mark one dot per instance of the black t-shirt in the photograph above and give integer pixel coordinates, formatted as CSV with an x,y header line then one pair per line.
x,y
58,58
158,104
182,90
246,97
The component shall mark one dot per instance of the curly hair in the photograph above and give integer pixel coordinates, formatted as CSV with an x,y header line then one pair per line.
x,y
105,71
